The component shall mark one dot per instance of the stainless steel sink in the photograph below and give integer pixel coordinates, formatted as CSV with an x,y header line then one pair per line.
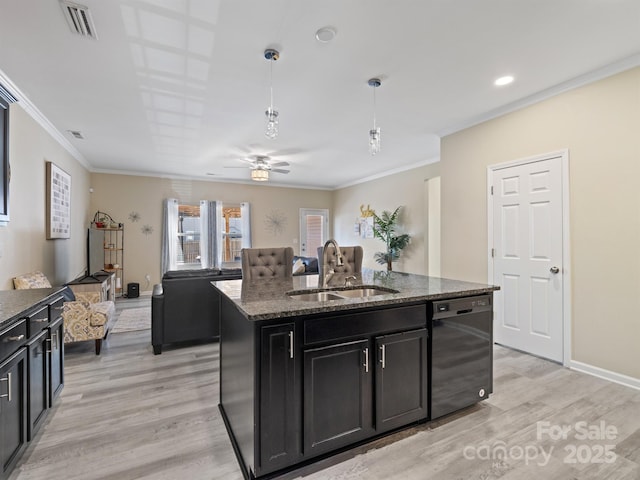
x,y
362,292
340,294
316,296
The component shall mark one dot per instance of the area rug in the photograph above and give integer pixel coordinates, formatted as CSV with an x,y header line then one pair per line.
x,y
132,319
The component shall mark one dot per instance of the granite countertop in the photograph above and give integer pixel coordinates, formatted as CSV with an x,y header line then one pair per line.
x,y
13,303
268,298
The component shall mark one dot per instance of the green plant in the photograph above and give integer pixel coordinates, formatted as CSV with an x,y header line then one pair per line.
x,y
384,228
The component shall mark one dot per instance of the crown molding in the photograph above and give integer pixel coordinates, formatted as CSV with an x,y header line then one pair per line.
x,y
38,116
612,69
376,176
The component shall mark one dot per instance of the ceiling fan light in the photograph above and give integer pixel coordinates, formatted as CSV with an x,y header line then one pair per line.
x,y
259,175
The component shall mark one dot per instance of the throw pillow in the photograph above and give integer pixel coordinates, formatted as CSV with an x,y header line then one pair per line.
x,y
298,266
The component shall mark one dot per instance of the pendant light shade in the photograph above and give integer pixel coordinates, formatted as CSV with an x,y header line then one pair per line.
x,y
374,133
272,126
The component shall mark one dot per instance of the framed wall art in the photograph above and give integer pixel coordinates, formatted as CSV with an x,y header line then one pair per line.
x,y
58,202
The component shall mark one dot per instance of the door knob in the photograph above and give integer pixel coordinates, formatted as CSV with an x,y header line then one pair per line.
x,y
554,270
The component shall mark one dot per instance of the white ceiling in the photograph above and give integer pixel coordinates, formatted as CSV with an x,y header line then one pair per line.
x,y
179,87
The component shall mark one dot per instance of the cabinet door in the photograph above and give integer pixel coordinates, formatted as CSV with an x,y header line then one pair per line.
x,y
337,396
56,363
401,379
38,384
279,398
13,409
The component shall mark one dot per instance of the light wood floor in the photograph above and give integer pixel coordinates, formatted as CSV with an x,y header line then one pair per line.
x,y
128,414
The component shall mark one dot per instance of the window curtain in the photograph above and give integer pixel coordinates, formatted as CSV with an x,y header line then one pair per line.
x,y
169,235
219,233
208,234
245,218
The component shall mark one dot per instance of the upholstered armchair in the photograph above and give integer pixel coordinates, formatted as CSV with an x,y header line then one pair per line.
x,y
85,318
260,263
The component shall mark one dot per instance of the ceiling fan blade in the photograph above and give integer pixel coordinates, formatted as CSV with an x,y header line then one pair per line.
x,y
248,166
279,164
279,170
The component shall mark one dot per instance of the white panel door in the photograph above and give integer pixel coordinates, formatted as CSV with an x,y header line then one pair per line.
x,y
527,257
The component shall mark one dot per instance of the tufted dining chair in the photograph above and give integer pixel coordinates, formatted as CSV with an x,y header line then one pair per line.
x,y
351,257
260,263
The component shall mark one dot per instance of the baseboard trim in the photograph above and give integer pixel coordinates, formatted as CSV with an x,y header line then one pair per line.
x,y
625,380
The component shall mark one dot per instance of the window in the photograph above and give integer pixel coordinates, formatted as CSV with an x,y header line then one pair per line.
x,y
209,235
188,237
5,170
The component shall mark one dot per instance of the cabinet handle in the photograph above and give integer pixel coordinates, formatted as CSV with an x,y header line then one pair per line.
x,y
49,347
383,355
366,359
40,320
54,339
15,339
291,344
8,380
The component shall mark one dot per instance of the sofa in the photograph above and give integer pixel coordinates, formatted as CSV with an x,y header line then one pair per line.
x,y
85,317
305,265
185,307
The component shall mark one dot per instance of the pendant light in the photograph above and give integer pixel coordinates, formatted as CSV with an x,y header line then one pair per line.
x,y
271,129
374,133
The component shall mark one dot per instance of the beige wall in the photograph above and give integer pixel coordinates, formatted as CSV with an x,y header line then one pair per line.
x,y
600,125
23,244
404,189
119,195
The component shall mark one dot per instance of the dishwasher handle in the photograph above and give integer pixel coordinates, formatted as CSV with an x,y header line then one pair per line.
x,y
461,306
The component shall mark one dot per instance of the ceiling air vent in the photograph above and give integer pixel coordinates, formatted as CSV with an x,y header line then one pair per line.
x,y
79,19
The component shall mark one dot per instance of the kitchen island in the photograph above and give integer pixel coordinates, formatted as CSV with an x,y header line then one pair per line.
x,y
307,371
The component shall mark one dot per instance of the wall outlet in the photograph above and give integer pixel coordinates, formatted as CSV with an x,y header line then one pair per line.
x,y
147,277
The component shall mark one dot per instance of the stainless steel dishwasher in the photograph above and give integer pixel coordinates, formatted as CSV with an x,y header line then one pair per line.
x,y
461,353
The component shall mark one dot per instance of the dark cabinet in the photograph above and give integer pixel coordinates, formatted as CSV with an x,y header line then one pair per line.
x,y
13,409
38,385
401,379
56,359
337,396
279,398
31,367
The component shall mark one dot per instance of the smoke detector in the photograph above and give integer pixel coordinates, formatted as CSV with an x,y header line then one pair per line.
x,y
79,19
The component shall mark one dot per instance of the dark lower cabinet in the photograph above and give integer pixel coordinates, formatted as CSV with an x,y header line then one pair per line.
x,y
13,410
337,396
56,359
38,390
401,379
279,398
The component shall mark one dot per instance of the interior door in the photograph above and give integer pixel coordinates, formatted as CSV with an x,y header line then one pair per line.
x,y
314,230
527,257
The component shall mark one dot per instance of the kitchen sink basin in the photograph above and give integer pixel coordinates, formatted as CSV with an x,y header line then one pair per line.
x,y
316,296
362,292
340,294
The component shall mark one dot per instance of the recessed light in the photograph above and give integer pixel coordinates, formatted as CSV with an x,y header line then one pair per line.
x,y
325,34
506,80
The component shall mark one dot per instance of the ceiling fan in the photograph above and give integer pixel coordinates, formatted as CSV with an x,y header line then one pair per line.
x,y
261,165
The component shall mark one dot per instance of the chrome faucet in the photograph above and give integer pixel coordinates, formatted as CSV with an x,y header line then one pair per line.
x,y
327,268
